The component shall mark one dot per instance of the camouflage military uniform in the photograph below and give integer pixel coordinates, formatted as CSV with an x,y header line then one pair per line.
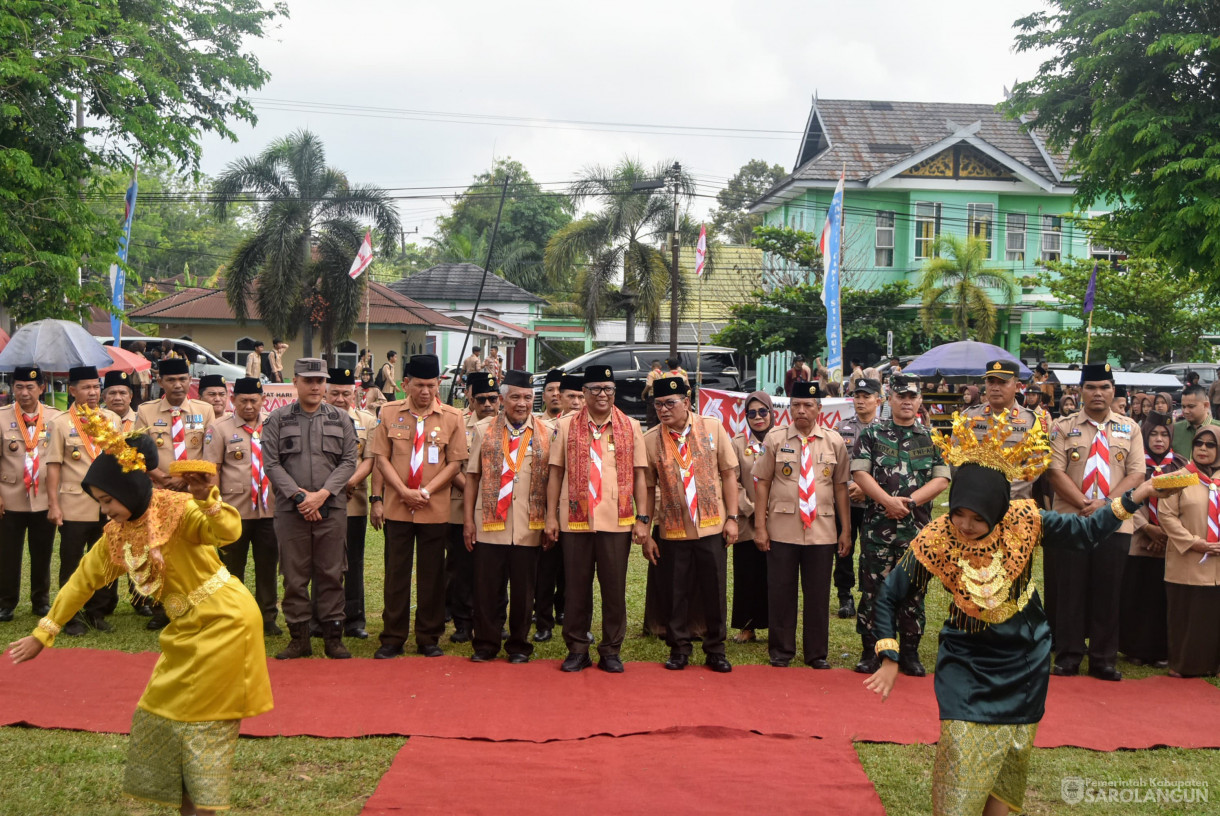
x,y
902,459
844,575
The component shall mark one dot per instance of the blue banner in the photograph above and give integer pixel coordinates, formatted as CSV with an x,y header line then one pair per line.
x,y
830,285
118,278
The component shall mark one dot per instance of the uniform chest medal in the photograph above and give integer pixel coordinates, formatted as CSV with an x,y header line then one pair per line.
x,y
76,454
787,470
160,441
1120,456
12,445
1075,455
239,454
826,471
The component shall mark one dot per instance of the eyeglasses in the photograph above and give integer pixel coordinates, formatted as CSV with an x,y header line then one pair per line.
x,y
666,405
1203,443
485,400
600,389
759,413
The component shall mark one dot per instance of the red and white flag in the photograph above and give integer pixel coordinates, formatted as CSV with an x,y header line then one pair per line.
x,y
824,241
701,250
364,257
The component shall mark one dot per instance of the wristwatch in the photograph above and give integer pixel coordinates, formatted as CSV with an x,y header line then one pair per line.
x,y
734,517
643,519
298,497
374,499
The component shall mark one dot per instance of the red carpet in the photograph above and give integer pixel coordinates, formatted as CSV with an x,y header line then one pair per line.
x,y
92,690
678,770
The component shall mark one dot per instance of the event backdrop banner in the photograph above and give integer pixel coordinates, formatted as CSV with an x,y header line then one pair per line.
x,y
729,407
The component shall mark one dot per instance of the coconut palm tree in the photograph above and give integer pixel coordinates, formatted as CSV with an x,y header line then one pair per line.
x,y
955,280
624,240
294,265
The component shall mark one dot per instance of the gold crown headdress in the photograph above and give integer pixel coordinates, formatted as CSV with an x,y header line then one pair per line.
x,y
112,441
1024,461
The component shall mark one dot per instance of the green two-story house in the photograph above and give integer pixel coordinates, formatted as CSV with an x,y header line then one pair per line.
x,y
914,170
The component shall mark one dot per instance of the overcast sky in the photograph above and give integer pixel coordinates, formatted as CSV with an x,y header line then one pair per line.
x,y
750,65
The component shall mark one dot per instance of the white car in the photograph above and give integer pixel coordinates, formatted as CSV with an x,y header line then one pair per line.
x,y
202,361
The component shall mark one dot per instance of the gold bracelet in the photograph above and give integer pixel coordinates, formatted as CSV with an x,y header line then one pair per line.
x,y
49,626
886,645
1120,512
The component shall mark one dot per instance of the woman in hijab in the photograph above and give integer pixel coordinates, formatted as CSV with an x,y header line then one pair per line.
x,y
750,565
1143,636
1162,403
993,665
970,397
1192,564
1067,405
212,672
1135,408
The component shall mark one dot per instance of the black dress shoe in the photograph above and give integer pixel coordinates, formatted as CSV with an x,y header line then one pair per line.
x,y
143,610
869,664
7,615
1065,671
575,662
1106,673
779,664
98,622
460,636
271,630
611,664
820,663
718,663
157,621
74,627
431,650
847,608
387,652
677,662
518,658
41,611
543,635
482,657
356,632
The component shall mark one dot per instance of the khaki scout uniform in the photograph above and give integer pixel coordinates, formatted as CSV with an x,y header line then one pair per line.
x,y
310,452
1021,419
227,444
1084,587
510,554
459,563
1190,584
254,365
157,416
25,514
129,420
444,442
605,547
357,526
796,550
82,516
700,551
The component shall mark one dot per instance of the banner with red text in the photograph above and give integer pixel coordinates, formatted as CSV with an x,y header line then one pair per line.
x,y
729,407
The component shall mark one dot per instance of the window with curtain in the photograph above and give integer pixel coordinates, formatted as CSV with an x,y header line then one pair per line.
x,y
885,239
979,221
927,227
1014,237
1052,237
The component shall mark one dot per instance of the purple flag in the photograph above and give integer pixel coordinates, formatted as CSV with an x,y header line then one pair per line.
x,y
1091,292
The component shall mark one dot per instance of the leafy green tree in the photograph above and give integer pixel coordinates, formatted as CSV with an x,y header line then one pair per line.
x,y
731,220
1142,313
149,78
955,280
796,248
293,266
1129,93
624,240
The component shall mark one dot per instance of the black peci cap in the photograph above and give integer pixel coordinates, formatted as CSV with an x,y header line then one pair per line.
x,y
666,386
517,379
1096,372
211,381
424,367
595,374
172,367
806,390
480,382
553,376
341,376
247,385
114,377
78,373
571,382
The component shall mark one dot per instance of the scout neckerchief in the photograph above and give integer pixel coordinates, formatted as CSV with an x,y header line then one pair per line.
x,y
674,469
1156,468
1096,483
808,494
1213,503
499,454
675,442
260,485
596,432
91,447
415,476
579,469
177,432
513,447
32,430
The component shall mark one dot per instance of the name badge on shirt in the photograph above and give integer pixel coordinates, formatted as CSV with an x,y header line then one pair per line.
x,y
434,454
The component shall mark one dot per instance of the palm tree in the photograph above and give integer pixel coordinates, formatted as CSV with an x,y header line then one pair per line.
x,y
517,261
624,239
294,266
955,279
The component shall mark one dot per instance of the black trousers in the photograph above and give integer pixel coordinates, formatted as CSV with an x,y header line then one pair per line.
x,y
493,565
353,576
258,534
459,579
1083,599
706,560
17,531
402,538
550,597
75,539
813,565
749,585
845,572
607,554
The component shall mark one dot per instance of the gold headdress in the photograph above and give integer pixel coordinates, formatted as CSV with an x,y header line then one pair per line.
x,y
112,441
1025,461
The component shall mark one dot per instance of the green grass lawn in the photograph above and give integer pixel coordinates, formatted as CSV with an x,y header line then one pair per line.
x,y
61,772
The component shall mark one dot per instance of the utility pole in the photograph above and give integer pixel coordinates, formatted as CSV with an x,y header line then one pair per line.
x,y
673,282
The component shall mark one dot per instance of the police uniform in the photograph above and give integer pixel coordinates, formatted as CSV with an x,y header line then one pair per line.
x,y
310,452
696,550
459,563
1084,587
71,451
357,518
800,550
441,441
902,459
849,429
237,450
25,505
1019,417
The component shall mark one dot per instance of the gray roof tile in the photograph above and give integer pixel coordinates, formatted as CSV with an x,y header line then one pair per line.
x,y
460,282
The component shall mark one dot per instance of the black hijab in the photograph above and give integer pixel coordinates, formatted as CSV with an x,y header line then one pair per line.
x,y
132,490
981,489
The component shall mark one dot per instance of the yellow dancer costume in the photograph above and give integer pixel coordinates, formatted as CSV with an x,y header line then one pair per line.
x,y
213,669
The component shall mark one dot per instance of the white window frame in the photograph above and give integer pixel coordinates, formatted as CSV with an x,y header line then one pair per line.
x,y
1052,228
974,219
934,219
346,354
1014,250
884,237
